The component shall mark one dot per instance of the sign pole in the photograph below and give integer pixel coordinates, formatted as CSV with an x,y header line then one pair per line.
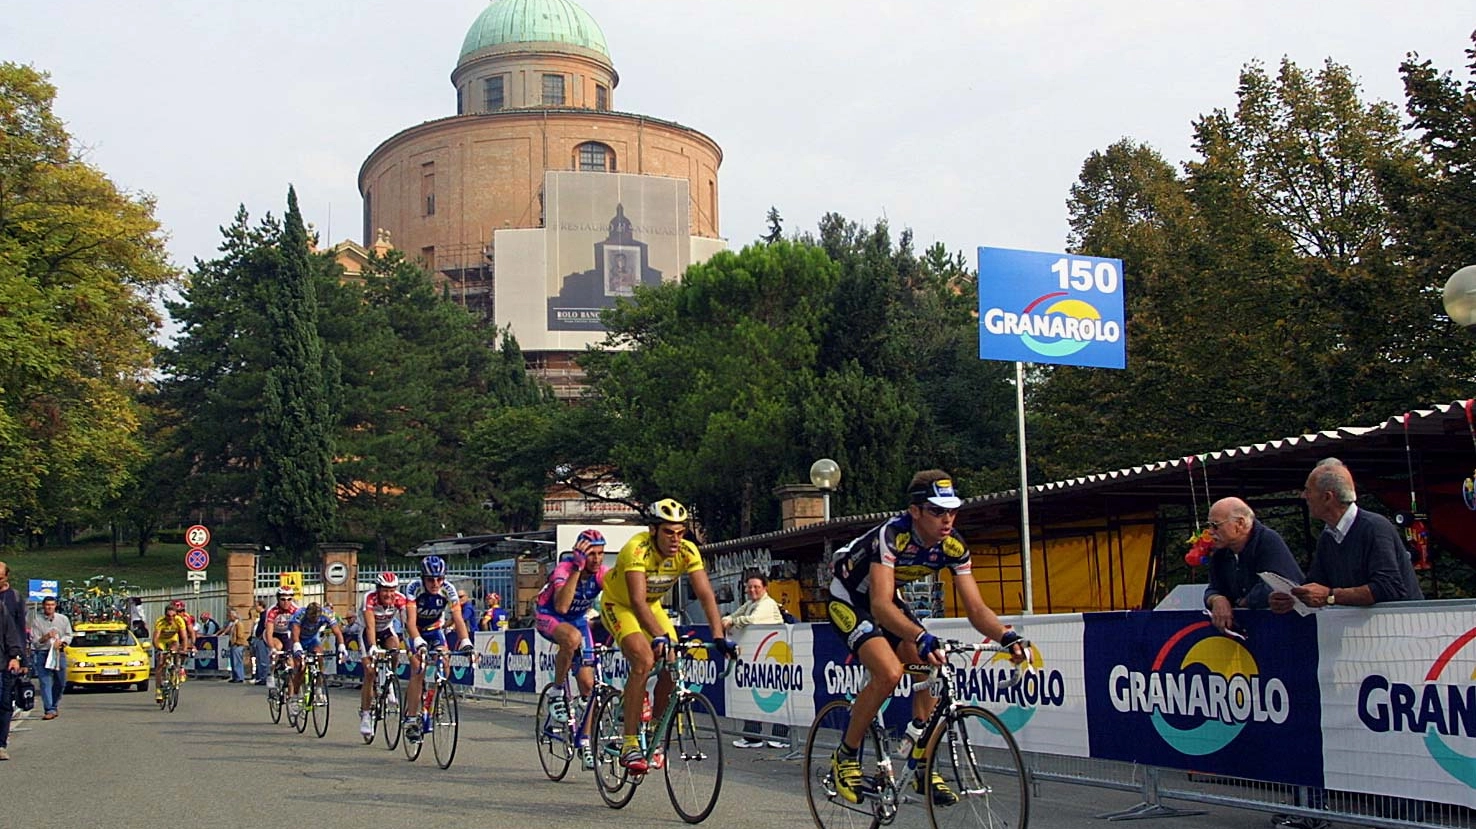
x,y
1024,491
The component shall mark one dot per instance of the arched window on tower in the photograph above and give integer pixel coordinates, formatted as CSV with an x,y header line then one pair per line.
x,y
594,157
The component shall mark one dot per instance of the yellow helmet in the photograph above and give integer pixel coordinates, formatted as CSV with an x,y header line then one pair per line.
x,y
667,511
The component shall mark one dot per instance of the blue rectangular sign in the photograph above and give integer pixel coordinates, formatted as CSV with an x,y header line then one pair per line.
x,y
1052,308
42,589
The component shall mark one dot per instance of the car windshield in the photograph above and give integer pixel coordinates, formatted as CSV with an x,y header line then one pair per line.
x,y
102,639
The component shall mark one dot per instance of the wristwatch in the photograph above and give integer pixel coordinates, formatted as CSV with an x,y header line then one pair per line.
x,y
1332,598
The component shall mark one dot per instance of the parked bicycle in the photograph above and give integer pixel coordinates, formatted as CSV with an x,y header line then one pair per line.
x,y
313,700
384,706
563,718
438,719
686,741
173,677
966,744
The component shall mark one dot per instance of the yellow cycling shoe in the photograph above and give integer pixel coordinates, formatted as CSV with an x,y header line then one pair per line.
x,y
942,795
846,774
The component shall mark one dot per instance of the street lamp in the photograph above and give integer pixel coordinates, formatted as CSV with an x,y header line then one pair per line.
x,y
825,474
1460,297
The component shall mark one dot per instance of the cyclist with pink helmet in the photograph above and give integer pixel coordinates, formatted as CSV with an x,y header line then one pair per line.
x,y
561,609
383,615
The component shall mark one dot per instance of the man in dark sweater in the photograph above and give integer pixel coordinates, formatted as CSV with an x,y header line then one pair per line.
x,y
1244,548
1360,559
12,648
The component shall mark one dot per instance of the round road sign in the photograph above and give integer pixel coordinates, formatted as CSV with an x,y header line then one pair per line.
x,y
197,559
336,573
197,536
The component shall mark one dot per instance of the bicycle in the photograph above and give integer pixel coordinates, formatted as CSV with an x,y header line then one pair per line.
x,y
171,679
991,782
559,733
314,698
689,748
439,717
384,705
277,685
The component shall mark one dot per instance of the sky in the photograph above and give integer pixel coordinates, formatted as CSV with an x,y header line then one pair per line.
x,y
967,121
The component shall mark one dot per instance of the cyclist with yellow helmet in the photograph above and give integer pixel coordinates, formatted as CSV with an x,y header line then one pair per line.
x,y
646,569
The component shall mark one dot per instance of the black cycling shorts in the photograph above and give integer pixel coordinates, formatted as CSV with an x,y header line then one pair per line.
x,y
857,626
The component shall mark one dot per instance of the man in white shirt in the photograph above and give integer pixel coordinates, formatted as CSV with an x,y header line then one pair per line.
x,y
760,609
51,632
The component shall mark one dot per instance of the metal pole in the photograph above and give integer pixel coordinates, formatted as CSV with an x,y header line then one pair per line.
x,y
1024,490
826,495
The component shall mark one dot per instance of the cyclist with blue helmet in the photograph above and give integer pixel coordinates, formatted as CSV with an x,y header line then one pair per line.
x,y
435,603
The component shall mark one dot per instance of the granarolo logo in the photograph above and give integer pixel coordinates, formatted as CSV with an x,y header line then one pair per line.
x,y
986,680
772,674
520,662
1443,708
1054,327
489,662
1201,691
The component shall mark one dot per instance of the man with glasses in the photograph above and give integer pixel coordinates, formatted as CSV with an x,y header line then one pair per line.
x,y
647,568
1244,548
882,631
433,602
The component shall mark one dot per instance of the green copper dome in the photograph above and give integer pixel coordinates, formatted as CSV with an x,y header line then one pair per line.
x,y
534,21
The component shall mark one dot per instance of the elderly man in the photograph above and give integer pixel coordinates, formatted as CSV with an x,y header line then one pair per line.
x,y
1360,559
1244,547
51,632
760,609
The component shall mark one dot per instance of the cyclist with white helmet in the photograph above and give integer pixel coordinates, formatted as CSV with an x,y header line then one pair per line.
x,y
383,613
277,629
560,613
648,566
435,603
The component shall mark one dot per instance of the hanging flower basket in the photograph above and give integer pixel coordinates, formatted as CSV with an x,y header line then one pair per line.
x,y
1200,547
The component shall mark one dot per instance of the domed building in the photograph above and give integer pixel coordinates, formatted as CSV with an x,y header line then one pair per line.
x,y
539,202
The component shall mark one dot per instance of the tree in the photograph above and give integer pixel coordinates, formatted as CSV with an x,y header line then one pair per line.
x,y
296,490
80,262
776,227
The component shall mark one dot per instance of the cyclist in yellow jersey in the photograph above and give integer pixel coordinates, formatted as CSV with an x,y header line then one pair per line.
x,y
648,566
170,635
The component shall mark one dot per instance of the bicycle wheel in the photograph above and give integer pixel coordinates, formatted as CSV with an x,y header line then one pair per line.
x,y
555,746
443,738
274,699
412,747
615,784
829,809
163,699
304,700
979,760
389,709
171,699
320,703
694,758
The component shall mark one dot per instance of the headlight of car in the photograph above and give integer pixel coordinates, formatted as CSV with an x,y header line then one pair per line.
x,y
82,663
134,663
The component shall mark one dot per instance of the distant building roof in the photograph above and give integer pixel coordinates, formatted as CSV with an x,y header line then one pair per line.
x,y
534,21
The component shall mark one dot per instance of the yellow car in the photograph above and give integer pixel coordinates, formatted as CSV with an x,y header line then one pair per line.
x,y
106,653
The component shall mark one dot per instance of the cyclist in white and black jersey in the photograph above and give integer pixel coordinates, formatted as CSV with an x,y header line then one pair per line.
x,y
882,631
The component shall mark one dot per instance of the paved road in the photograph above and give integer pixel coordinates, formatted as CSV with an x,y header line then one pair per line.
x,y
113,758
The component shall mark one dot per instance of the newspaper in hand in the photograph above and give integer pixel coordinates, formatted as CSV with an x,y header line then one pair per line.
x,y
1281,584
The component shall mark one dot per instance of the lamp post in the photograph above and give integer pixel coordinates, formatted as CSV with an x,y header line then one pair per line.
x,y
1460,297
825,474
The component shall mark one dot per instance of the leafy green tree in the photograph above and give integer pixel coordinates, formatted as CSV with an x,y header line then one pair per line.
x,y
296,492
80,261
776,226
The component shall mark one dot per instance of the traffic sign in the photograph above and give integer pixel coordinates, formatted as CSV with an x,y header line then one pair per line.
x,y
336,573
195,575
197,559
197,536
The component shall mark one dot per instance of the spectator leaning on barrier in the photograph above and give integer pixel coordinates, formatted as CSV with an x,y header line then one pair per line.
x,y
760,609
1360,559
468,615
1244,547
237,635
208,625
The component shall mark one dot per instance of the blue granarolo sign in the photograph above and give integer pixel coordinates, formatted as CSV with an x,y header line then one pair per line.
x,y
1051,308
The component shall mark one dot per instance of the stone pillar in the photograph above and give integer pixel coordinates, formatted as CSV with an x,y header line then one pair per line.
x,y
240,576
800,505
339,558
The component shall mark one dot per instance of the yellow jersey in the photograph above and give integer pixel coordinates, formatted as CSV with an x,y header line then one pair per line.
x,y
639,555
165,632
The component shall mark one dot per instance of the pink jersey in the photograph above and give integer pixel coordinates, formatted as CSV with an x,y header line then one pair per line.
x,y
584,595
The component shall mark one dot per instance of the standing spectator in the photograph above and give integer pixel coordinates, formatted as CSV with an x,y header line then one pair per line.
x,y
353,628
12,651
136,618
1360,559
12,603
1244,548
237,635
51,632
760,609
260,652
468,615
495,617
208,625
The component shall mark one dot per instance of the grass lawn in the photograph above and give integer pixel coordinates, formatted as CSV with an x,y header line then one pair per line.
x,y
162,567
